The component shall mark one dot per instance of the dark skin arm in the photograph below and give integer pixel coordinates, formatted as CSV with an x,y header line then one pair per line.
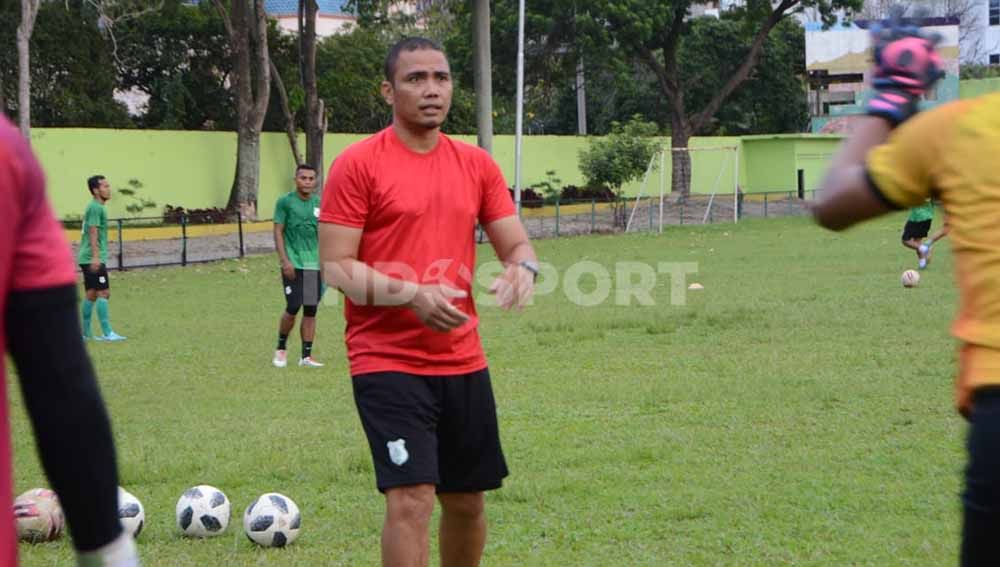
x,y
845,196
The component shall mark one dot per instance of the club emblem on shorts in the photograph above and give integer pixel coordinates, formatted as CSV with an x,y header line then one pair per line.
x,y
102,279
288,290
397,452
316,212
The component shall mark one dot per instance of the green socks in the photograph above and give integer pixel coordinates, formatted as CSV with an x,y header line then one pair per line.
x,y
102,315
88,309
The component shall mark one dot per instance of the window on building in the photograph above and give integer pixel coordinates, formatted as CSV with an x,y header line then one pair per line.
x,y
995,59
995,12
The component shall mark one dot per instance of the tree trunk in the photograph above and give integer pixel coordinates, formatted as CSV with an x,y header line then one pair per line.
x,y
29,9
483,73
251,74
581,99
680,176
293,139
667,72
243,196
315,109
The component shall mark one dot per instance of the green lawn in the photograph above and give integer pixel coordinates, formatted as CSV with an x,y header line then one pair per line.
x,y
797,411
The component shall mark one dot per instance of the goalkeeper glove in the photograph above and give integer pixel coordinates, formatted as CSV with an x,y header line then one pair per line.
x,y
906,66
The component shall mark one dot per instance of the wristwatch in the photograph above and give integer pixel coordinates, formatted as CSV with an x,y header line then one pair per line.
x,y
531,267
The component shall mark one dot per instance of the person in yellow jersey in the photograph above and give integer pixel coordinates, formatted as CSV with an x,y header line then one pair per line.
x,y
897,158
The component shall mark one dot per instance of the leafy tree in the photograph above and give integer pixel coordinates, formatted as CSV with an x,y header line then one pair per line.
x,y
652,32
73,74
179,56
349,71
620,157
773,97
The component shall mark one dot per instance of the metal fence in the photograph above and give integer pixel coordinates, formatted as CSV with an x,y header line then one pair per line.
x,y
155,241
568,218
144,242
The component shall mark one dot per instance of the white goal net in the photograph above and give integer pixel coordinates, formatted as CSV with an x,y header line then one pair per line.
x,y
711,172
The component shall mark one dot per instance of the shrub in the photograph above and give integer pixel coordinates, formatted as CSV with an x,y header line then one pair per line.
x,y
214,215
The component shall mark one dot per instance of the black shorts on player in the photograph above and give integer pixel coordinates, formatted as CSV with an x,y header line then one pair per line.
x,y
439,430
306,289
981,498
98,280
913,230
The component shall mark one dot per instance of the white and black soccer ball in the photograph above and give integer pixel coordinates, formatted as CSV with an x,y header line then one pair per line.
x,y
203,511
131,514
272,520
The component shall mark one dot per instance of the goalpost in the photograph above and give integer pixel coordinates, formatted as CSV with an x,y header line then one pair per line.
x,y
714,173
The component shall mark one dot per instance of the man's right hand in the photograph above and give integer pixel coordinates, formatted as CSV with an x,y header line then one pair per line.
x,y
288,270
432,304
95,267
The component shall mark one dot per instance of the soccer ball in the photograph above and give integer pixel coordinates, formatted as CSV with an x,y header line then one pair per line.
x,y
131,514
272,520
203,511
910,278
38,516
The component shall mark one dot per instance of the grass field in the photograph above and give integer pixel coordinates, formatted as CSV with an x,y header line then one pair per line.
x,y
797,411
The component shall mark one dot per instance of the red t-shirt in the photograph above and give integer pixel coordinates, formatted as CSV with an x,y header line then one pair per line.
x,y
34,254
418,213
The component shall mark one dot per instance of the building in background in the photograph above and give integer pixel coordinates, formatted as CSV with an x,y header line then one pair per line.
x,y
981,34
838,61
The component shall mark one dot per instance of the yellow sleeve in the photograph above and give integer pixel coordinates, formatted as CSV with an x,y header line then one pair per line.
x,y
902,169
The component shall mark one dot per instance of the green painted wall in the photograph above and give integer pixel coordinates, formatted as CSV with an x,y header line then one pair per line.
x,y
975,87
195,169
812,156
769,164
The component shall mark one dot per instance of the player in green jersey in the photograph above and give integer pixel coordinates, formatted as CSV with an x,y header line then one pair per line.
x,y
296,239
92,258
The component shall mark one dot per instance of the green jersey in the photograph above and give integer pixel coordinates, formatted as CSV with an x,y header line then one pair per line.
x,y
300,219
922,213
95,216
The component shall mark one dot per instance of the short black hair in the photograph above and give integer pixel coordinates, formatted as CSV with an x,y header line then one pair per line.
x,y
93,182
407,44
305,166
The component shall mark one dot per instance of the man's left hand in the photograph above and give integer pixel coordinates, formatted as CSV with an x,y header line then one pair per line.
x,y
514,287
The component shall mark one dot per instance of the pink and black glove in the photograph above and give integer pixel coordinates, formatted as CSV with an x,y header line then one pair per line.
x,y
906,66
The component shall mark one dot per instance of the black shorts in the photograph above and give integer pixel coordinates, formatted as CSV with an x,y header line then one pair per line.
x,y
306,289
439,430
912,230
981,497
99,280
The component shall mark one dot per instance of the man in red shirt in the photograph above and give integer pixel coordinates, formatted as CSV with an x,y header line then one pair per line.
x,y
39,328
397,237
